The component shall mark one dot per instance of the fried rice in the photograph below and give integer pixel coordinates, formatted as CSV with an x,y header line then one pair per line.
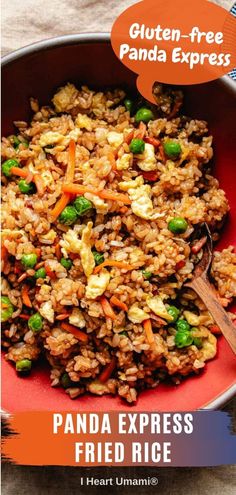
x,y
106,324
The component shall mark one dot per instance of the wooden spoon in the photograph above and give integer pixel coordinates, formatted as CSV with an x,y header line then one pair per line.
x,y
201,285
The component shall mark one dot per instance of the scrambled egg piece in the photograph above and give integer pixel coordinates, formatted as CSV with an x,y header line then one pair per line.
x,y
136,314
157,306
99,203
48,238
49,138
135,255
148,160
47,311
97,284
115,138
76,318
141,203
191,318
124,161
71,243
209,347
47,178
65,97
84,122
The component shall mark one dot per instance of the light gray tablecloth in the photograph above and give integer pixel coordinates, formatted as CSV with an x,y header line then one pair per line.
x,y
24,22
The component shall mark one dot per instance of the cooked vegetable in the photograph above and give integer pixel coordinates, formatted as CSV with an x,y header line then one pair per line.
x,y
120,304
144,115
70,171
151,175
23,365
183,339
104,193
7,308
35,323
25,296
98,257
66,381
146,274
172,149
8,165
40,273
147,325
60,205
182,325
68,216
26,188
17,142
20,172
177,225
137,146
174,312
129,104
75,331
66,262
82,205
197,342
108,370
107,309
29,260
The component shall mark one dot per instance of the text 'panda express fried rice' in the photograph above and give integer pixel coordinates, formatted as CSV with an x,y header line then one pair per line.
x,y
103,198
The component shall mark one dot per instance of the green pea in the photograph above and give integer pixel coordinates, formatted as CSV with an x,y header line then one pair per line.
x,y
197,342
66,381
66,262
183,339
7,166
144,115
82,205
172,149
174,312
124,333
178,225
182,325
7,308
98,257
137,146
68,216
16,142
26,188
35,323
23,365
29,260
40,273
129,105
146,274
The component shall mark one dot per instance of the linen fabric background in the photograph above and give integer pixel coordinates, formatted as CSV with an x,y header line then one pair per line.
x,y
25,22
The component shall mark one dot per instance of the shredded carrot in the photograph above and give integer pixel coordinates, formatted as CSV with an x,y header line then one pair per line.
x,y
62,316
4,253
75,331
25,296
105,193
180,265
39,184
124,209
38,252
150,140
118,264
151,176
111,158
3,305
58,251
162,153
49,272
29,178
140,132
116,302
71,162
60,205
107,309
20,172
129,137
22,277
24,317
147,325
39,265
108,370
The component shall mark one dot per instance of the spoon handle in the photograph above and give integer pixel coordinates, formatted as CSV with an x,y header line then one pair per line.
x,y
204,290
